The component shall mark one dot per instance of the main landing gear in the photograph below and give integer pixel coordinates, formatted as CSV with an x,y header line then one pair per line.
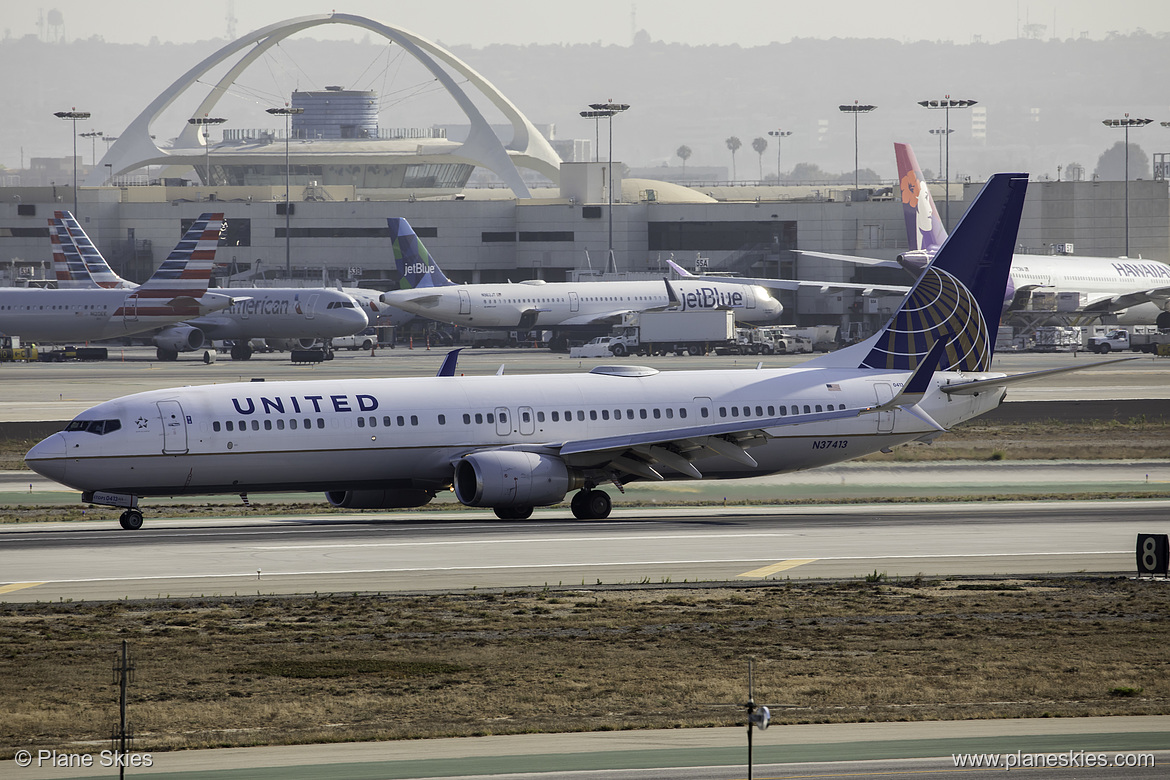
x,y
513,512
131,519
241,351
591,505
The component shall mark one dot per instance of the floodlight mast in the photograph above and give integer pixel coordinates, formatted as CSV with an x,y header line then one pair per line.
x,y
1126,123
779,135
855,109
946,104
203,122
287,113
73,114
608,110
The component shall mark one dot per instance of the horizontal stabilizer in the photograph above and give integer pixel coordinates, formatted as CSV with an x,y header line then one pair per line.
x,y
979,385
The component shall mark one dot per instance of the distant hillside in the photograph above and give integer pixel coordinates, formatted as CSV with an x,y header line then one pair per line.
x,y
1045,99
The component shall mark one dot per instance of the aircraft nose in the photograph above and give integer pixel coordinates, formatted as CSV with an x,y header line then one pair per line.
x,y
357,318
47,458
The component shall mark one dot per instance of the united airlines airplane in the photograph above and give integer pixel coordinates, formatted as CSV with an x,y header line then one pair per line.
x,y
177,291
517,442
1134,291
556,306
288,314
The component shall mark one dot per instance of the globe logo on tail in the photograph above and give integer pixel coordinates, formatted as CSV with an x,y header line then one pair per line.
x,y
939,307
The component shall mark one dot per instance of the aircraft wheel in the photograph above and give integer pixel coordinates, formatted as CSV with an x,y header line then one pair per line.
x,y
131,520
598,504
521,512
167,354
580,511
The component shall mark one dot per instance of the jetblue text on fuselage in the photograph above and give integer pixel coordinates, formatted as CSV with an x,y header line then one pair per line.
x,y
710,298
305,403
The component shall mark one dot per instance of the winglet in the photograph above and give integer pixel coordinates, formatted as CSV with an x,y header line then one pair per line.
x,y
448,367
678,269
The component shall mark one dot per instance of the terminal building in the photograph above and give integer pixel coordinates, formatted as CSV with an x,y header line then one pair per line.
x,y
546,211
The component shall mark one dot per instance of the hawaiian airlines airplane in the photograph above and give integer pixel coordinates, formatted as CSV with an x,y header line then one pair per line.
x,y
1135,291
556,306
292,314
512,443
177,291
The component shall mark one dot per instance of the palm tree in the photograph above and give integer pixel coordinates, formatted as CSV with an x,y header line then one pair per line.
x,y
684,152
760,144
733,144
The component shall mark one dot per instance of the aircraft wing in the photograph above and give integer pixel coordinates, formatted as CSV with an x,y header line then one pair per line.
x,y
979,385
1113,303
851,259
824,287
597,318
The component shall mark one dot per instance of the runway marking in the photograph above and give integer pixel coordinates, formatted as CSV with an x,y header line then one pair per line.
x,y
18,586
525,540
251,575
791,563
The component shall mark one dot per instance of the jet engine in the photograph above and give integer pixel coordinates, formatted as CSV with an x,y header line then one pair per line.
x,y
400,498
180,338
510,478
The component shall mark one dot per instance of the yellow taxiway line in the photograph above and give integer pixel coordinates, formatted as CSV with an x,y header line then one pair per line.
x,y
766,571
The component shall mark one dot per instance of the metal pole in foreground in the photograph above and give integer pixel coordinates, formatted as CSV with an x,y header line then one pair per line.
x,y
287,113
73,114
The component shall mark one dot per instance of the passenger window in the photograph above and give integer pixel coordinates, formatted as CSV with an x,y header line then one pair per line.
x,y
580,416
682,413
629,414
722,411
361,422
556,416
807,410
268,425
783,411
657,414
414,419
255,425
759,411
642,413
243,425
604,414
442,419
280,425
320,422
617,414
215,426
491,418
818,407
771,411
401,421
466,419
540,416
292,423
669,413
592,414
735,411
526,417
503,417
308,423
703,412
478,418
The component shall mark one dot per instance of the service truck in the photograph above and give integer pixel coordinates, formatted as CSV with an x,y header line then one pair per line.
x,y
681,332
1143,339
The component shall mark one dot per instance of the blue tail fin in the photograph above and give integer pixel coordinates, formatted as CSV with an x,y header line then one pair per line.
x,y
415,266
959,296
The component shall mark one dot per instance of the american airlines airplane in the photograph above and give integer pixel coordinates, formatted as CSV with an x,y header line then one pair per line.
x,y
291,314
556,306
177,291
1134,291
517,442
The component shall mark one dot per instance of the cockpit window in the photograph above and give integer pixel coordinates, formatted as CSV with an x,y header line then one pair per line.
x,y
100,427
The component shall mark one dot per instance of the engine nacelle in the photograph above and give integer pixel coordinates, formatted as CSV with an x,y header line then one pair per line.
x,y
511,478
180,338
401,498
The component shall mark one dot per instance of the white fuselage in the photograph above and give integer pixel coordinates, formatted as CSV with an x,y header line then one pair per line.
x,y
567,304
284,313
1095,279
37,314
372,433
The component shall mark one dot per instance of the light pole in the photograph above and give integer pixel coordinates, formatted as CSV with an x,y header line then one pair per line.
x,y
1126,123
856,109
93,135
73,114
203,123
608,110
940,132
287,113
946,104
779,135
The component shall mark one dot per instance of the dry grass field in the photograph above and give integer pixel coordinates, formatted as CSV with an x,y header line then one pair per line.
x,y
270,671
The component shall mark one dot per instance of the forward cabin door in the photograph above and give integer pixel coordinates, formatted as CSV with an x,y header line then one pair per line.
x,y
574,302
310,310
174,427
464,302
503,421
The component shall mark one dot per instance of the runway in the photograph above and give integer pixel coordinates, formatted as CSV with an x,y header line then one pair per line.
x,y
436,551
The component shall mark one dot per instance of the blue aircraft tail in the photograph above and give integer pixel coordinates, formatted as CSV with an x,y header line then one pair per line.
x,y
959,296
415,266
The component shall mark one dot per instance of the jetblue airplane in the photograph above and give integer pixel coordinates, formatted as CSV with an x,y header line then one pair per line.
x,y
177,291
556,306
517,442
289,314
1135,291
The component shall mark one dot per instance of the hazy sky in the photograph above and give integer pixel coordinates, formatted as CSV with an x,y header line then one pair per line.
x,y
484,22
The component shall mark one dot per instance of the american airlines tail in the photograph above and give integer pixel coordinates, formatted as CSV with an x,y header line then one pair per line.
x,y
182,279
959,296
925,232
81,264
415,266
